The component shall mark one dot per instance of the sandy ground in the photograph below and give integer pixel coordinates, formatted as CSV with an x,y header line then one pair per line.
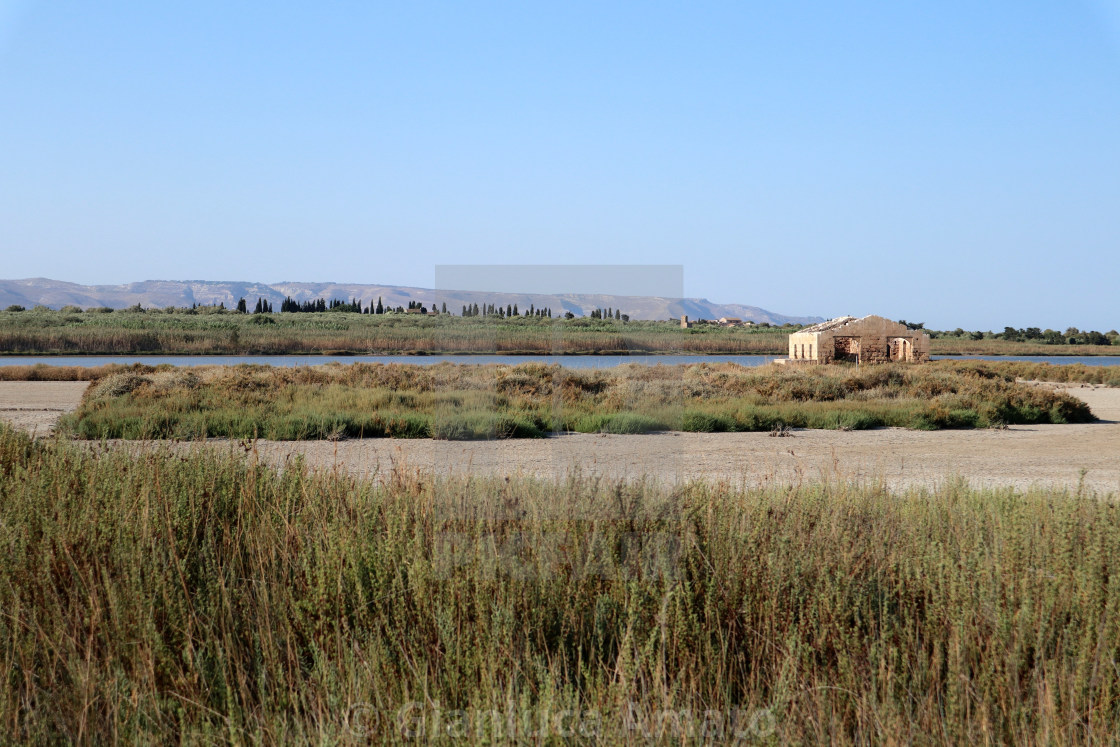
x,y
35,406
1020,456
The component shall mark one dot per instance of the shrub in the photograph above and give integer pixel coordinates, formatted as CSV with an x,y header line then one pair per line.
x,y
618,422
474,426
705,422
117,385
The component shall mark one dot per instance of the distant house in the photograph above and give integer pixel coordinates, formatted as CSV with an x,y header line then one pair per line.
x,y
414,311
871,339
732,321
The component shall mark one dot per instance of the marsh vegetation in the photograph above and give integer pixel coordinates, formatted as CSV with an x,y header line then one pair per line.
x,y
194,596
457,401
182,332
214,331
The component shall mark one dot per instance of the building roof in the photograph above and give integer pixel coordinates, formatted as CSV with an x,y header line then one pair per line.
x,y
839,321
843,321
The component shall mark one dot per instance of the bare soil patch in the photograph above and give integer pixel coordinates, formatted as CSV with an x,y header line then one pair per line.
x,y
1086,455
35,406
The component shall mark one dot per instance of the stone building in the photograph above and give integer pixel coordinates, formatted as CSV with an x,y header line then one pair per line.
x,y
871,339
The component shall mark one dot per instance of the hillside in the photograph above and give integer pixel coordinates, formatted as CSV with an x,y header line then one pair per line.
x,y
161,293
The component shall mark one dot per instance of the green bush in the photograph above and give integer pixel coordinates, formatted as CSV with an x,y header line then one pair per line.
x,y
618,422
472,426
705,422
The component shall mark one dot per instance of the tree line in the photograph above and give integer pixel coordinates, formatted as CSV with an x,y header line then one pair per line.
x,y
509,311
1071,336
289,305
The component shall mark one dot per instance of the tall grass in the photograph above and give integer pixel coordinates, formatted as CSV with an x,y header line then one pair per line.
x,y
989,346
46,372
1064,373
201,597
528,400
123,332
42,331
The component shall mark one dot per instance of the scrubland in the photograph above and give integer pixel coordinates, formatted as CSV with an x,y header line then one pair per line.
x,y
452,401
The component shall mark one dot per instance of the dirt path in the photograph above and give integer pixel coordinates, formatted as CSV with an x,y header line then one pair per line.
x,y
1021,456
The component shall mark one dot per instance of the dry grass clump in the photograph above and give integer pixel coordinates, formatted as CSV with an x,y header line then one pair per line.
x,y
161,597
1063,373
533,399
45,372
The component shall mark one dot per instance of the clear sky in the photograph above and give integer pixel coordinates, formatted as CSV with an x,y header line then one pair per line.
x,y
953,162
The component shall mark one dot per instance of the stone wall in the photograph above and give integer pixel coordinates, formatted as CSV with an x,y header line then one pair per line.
x,y
872,339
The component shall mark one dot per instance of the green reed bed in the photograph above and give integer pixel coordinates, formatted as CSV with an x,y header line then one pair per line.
x,y
155,596
530,400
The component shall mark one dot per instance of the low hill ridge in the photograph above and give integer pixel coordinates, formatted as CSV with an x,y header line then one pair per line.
x,y
162,293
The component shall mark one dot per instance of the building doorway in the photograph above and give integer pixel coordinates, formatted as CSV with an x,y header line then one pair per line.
x,y
847,349
901,349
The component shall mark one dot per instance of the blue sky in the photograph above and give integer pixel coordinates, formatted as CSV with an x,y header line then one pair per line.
x,y
951,162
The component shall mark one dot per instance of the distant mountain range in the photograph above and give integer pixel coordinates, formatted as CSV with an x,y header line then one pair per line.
x,y
162,293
